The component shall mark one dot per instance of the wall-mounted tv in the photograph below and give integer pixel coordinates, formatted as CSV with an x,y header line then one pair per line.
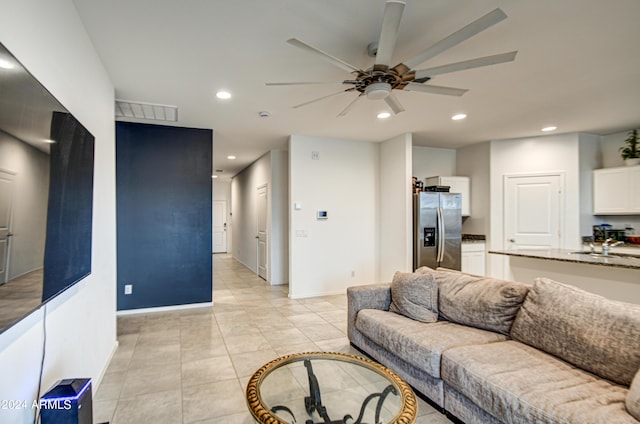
x,y
46,194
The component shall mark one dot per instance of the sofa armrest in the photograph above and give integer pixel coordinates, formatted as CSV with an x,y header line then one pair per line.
x,y
372,296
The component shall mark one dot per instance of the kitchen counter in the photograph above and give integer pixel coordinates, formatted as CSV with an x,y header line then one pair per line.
x,y
619,260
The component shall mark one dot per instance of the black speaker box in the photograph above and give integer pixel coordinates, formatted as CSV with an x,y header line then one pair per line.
x,y
68,402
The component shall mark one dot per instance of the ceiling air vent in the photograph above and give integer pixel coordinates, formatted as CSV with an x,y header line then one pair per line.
x,y
142,110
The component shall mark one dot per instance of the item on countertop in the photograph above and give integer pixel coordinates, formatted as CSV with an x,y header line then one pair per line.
x,y
632,239
438,188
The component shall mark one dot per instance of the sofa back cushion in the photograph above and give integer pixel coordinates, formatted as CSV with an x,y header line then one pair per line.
x,y
633,397
599,335
480,302
414,295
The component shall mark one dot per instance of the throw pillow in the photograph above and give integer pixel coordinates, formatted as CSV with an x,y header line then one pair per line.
x,y
599,335
415,296
481,302
633,397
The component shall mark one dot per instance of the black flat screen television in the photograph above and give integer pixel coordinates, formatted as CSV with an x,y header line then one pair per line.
x,y
46,194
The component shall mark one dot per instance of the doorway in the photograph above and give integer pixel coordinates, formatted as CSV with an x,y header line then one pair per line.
x,y
261,214
533,211
220,234
6,208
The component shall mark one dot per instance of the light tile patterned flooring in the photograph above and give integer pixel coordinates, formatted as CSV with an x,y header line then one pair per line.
x,y
193,365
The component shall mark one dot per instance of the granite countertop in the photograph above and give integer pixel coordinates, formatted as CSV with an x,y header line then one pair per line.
x,y
473,238
620,260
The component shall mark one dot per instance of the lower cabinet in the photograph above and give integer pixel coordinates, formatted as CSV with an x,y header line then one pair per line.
x,y
473,258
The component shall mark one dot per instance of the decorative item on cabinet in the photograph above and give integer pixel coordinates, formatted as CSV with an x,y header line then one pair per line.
x,y
630,152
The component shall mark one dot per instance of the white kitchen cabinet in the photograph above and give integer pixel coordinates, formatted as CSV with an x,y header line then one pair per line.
x,y
473,258
616,191
460,185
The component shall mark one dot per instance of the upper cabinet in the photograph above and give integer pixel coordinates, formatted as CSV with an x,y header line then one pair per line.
x,y
616,191
456,185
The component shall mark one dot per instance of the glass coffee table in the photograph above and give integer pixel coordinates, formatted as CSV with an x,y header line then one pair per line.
x,y
329,388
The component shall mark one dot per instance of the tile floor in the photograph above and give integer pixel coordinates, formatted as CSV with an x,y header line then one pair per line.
x,y
193,365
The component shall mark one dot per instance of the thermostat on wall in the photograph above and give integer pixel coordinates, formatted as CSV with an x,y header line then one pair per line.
x,y
322,215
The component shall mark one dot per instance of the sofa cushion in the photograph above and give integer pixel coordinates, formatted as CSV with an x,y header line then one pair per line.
x,y
517,383
414,296
633,398
418,343
481,302
596,334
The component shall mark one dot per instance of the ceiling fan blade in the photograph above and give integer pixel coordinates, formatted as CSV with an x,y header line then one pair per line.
x,y
393,103
306,83
323,97
389,34
350,105
466,64
435,89
457,37
337,62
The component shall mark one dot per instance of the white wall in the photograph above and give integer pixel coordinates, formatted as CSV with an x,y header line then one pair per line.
x,y
395,207
611,145
433,162
590,158
279,250
244,187
271,170
474,162
610,159
557,153
30,169
324,254
48,37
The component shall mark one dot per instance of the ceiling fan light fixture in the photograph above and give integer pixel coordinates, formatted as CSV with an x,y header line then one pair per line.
x,y
378,91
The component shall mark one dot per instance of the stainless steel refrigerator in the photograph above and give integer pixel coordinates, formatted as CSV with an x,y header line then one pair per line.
x,y
437,225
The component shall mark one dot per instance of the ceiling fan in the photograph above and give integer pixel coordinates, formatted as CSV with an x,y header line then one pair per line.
x,y
378,81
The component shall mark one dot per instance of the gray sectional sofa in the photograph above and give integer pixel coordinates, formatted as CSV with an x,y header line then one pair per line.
x,y
494,351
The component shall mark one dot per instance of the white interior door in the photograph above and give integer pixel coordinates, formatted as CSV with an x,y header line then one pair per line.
x,y
219,226
6,206
533,206
261,212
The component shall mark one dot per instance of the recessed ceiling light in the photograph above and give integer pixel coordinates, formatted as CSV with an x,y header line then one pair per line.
x,y
459,116
5,64
550,128
214,176
49,141
384,115
231,157
223,94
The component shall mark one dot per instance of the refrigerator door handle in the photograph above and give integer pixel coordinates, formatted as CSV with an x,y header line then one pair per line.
x,y
441,233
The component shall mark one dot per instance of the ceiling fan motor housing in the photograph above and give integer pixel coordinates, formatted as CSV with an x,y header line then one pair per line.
x,y
378,90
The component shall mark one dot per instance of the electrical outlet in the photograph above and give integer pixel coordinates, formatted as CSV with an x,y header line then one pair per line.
x,y
315,155
128,289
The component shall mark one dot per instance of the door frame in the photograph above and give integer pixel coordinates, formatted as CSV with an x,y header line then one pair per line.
x,y
10,227
505,203
264,187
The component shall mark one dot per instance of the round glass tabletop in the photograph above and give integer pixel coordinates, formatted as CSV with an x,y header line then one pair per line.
x,y
326,387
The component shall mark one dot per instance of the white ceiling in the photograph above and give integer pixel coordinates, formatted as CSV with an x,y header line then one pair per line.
x,y
578,67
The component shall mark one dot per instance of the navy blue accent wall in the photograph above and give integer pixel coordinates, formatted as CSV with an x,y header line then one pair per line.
x,y
164,208
67,252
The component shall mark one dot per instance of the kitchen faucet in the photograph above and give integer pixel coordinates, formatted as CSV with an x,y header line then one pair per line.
x,y
607,245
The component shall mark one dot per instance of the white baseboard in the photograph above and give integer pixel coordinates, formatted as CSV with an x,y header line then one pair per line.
x,y
164,309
